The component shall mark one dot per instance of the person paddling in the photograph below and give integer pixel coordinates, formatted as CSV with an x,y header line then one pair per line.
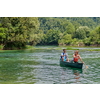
x,y
64,56
76,57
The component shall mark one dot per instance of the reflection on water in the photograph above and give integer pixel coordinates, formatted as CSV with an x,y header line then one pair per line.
x,y
77,75
43,67
75,72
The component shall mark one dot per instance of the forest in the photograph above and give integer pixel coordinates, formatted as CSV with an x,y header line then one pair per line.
x,y
17,32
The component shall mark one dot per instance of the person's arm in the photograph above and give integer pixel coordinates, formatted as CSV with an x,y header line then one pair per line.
x,y
67,57
73,55
62,55
81,59
66,54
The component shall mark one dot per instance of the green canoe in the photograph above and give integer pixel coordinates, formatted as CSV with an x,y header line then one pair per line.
x,y
69,64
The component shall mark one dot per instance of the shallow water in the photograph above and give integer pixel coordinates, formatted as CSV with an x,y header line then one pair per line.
x,y
42,67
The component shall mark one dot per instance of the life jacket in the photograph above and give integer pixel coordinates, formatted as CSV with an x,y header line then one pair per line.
x,y
64,56
76,59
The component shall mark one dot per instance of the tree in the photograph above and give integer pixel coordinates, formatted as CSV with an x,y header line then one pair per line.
x,y
76,25
66,39
3,33
70,28
53,36
86,41
19,30
95,36
82,32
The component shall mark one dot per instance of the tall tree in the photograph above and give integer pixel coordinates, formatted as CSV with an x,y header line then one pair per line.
x,y
19,30
82,32
53,36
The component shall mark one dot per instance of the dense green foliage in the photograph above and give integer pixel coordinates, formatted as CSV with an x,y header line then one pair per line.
x,y
16,32
73,31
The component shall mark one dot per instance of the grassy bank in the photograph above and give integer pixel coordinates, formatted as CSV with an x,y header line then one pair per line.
x,y
54,48
67,48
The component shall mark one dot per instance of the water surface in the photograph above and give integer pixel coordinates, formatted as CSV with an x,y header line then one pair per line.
x,y
42,66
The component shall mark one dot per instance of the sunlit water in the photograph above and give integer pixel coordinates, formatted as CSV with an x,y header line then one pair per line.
x,y
42,67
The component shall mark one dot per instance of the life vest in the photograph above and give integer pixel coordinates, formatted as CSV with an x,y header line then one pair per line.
x,y
64,56
76,59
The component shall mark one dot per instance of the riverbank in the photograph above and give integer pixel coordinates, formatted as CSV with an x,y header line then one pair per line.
x,y
57,48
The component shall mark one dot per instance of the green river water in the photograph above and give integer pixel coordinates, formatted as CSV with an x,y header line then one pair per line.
x,y
41,66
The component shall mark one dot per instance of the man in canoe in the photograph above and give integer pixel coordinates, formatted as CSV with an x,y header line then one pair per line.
x,y
76,57
64,56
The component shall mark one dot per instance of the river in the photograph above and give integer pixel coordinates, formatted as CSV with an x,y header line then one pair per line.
x,y
41,66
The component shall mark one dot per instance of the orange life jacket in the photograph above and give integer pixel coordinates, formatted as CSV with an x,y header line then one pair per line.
x,y
76,59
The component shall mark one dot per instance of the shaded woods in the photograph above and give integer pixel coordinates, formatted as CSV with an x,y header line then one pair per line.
x,y
17,32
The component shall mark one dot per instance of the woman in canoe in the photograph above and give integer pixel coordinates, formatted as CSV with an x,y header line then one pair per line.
x,y
64,56
76,57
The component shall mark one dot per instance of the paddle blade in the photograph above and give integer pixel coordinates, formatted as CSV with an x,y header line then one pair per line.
x,y
86,67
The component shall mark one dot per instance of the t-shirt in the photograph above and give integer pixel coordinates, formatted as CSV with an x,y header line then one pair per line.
x,y
64,55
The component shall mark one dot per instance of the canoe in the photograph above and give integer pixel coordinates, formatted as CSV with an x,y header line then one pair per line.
x,y
71,64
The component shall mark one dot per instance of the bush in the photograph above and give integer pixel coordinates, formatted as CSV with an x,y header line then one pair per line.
x,y
1,47
14,45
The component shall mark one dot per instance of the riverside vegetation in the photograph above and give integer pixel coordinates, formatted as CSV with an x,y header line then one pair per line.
x,y
18,32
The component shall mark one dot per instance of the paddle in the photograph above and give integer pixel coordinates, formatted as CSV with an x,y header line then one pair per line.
x,y
85,65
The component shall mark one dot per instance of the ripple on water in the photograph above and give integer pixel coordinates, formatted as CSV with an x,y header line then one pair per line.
x,y
42,67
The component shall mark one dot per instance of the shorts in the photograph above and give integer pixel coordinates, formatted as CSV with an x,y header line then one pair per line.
x,y
65,59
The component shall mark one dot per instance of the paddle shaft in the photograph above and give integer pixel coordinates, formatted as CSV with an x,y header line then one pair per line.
x,y
84,64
